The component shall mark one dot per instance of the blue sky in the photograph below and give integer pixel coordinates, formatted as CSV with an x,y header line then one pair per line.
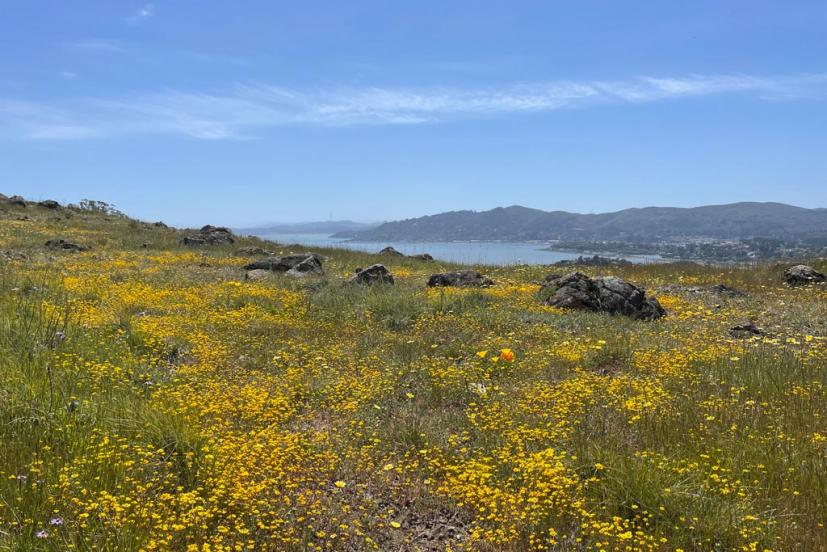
x,y
248,112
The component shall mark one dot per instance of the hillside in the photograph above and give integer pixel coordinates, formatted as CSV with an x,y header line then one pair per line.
x,y
163,396
646,225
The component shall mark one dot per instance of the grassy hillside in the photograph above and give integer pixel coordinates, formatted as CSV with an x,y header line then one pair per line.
x,y
649,225
152,399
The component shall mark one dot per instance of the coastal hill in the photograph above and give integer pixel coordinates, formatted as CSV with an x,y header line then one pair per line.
x,y
641,225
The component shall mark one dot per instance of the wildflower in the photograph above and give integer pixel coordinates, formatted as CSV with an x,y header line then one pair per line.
x,y
395,524
478,389
56,521
482,354
387,467
341,484
507,355
42,534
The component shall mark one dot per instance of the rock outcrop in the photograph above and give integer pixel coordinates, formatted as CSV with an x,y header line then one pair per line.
x,y
746,330
422,257
49,204
303,263
390,251
253,251
607,294
63,245
800,275
312,265
374,274
209,235
463,278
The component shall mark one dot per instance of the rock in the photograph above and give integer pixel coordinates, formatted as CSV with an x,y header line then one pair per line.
x,y
745,330
16,200
209,235
160,224
194,241
313,263
802,275
422,257
464,278
604,294
391,252
63,245
257,275
723,289
374,274
253,252
49,204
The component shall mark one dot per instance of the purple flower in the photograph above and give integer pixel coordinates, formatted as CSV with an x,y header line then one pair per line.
x,y
56,521
42,534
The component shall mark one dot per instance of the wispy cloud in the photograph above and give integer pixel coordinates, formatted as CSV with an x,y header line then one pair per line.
x,y
31,121
239,111
144,12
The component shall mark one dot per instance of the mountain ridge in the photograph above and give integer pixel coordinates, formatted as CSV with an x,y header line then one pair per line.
x,y
741,220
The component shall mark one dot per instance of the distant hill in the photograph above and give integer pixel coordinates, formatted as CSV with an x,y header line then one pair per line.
x,y
320,227
646,225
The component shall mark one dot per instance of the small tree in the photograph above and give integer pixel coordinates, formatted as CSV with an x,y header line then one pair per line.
x,y
100,207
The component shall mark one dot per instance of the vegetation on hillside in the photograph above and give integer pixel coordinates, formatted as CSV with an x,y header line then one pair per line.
x,y
779,226
152,399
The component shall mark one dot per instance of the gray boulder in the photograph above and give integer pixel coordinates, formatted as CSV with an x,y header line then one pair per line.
x,y
746,330
49,204
16,200
253,252
607,294
802,274
63,245
312,265
374,274
209,235
422,257
390,251
463,278
311,262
